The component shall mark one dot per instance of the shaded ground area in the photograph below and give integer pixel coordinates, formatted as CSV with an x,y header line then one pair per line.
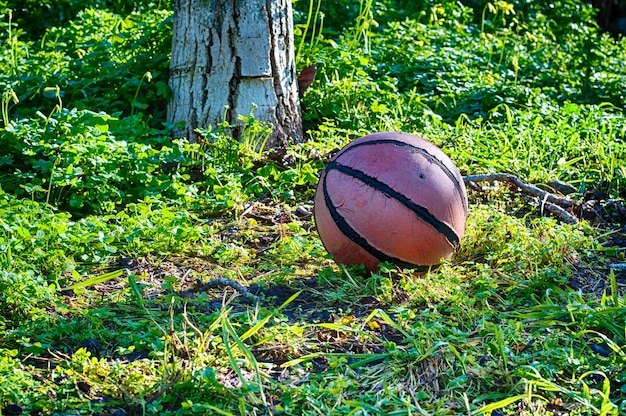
x,y
609,217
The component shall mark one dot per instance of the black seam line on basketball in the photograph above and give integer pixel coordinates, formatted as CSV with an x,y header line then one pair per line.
x,y
356,238
439,163
417,209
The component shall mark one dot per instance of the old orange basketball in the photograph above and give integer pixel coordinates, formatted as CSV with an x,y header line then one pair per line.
x,y
391,197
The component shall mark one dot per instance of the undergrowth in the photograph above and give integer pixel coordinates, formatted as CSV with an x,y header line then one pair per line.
x,y
108,226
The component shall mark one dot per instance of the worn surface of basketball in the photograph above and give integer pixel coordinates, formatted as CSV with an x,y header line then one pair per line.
x,y
391,197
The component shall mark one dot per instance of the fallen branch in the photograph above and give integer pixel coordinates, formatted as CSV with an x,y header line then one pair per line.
x,y
556,210
527,188
549,202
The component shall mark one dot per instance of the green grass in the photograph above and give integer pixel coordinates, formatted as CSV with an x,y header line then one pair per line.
x,y
107,226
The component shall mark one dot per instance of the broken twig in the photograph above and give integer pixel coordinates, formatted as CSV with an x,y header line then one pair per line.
x,y
558,211
549,202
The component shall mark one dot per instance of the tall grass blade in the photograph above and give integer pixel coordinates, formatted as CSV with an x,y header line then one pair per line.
x,y
499,404
256,327
231,356
135,290
229,332
217,410
614,291
94,280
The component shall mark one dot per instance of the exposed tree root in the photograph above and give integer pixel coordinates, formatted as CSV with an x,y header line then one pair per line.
x,y
548,202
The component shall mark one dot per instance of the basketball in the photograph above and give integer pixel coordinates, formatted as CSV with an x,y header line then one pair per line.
x,y
391,197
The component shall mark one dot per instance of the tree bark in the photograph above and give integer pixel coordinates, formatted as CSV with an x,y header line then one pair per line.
x,y
230,56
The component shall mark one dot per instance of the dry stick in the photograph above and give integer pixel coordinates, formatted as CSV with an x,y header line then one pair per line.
x,y
154,396
527,188
549,202
557,210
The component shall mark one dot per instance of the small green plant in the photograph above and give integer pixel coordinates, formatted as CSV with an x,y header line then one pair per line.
x,y
72,159
311,24
8,97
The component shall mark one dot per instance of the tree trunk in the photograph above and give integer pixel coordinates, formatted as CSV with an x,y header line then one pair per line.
x,y
229,56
